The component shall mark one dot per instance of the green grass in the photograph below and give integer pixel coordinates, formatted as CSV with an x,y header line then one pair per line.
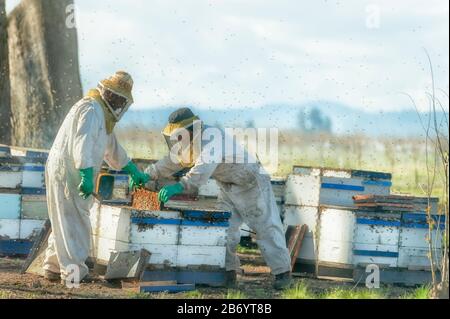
x,y
235,294
419,293
6,295
341,293
194,295
247,251
139,295
303,291
299,291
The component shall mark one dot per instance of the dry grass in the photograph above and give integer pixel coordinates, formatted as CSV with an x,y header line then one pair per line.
x,y
404,157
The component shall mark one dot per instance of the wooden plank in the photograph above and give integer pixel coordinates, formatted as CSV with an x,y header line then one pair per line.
x,y
130,264
35,260
292,234
298,245
167,288
197,277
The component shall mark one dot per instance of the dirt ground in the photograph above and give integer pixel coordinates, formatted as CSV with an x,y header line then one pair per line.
x,y
256,283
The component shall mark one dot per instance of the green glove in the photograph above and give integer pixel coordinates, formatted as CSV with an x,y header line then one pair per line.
x,y
138,179
86,186
169,191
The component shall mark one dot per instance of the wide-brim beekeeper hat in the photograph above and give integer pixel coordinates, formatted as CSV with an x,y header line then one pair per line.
x,y
121,83
182,118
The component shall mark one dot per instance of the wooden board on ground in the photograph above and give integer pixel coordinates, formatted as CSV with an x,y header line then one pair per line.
x,y
35,260
172,288
294,239
124,265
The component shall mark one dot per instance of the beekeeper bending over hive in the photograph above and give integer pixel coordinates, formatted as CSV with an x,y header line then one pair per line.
x,y
246,191
84,141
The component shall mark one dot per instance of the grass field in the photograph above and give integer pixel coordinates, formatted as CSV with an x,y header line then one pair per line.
x,y
254,283
405,158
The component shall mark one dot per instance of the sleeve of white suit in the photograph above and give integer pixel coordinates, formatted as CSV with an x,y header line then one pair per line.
x,y
198,175
85,138
115,155
164,168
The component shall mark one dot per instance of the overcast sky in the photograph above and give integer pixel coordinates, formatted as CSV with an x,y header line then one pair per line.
x,y
250,53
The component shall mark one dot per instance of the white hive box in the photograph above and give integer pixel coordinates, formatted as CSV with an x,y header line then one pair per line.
x,y
414,241
34,207
335,243
9,229
376,239
10,205
318,186
33,176
174,238
10,176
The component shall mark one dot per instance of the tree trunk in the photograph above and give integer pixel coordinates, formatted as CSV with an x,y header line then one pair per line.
x,y
5,106
45,78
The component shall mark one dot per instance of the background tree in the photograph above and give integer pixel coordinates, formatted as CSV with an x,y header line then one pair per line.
x,y
44,69
5,106
314,121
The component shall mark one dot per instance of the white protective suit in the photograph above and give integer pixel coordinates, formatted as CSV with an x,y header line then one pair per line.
x,y
247,194
82,142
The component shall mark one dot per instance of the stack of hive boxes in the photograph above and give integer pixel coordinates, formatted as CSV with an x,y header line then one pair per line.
x,y
345,236
186,236
322,199
23,206
211,190
399,229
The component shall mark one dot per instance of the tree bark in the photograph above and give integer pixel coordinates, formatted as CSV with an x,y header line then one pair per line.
x,y
45,78
5,106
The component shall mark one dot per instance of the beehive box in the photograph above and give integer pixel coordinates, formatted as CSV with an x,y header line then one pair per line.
x,y
211,190
15,229
376,239
309,186
414,241
10,176
187,237
22,216
5,151
29,175
347,237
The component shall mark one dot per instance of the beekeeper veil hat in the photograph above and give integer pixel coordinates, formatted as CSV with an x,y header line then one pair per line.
x,y
116,91
184,119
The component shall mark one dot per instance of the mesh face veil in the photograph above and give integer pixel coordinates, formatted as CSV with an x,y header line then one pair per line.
x,y
117,103
184,142
116,93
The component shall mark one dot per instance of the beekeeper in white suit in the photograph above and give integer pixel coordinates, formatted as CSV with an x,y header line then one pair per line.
x,y
245,191
84,141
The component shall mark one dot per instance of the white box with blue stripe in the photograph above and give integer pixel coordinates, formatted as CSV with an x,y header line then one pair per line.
x,y
175,238
309,186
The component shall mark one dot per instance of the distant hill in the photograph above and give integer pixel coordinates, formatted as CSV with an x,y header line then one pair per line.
x,y
345,120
